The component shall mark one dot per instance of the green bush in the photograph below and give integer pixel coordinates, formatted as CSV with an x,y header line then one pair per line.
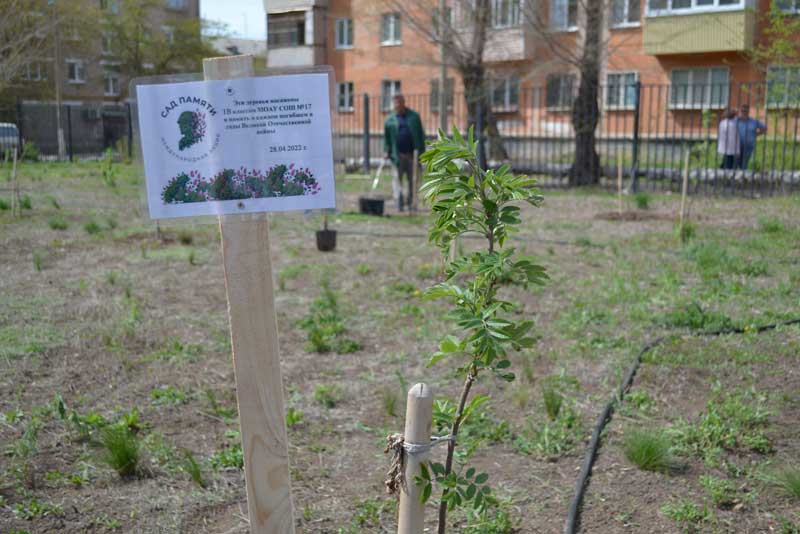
x,y
329,395
58,223
30,152
642,200
694,317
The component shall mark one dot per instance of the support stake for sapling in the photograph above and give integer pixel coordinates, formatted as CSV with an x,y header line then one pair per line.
x,y
419,418
684,189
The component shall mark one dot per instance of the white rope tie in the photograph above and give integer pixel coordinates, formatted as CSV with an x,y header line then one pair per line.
x,y
422,448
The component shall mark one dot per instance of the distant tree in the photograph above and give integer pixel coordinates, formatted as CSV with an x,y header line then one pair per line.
x,y
586,56
144,49
780,49
465,31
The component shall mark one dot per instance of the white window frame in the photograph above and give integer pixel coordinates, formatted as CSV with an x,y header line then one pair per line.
x,y
513,17
622,90
79,69
507,106
111,76
347,90
395,88
716,7
561,106
626,23
395,29
707,86
788,84
40,72
344,29
556,26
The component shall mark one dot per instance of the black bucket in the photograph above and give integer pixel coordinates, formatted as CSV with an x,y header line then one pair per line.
x,y
371,206
326,240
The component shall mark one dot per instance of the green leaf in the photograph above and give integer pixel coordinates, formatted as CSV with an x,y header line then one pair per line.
x,y
425,494
482,478
503,364
470,472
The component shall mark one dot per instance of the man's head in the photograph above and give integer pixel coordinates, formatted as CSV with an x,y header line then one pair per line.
x,y
731,113
745,112
399,104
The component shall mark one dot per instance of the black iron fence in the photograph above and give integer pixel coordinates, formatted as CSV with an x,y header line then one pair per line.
x,y
647,130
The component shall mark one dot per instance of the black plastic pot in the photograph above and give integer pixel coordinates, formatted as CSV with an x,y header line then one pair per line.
x,y
326,240
371,206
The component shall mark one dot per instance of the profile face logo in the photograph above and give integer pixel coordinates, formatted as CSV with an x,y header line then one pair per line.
x,y
192,125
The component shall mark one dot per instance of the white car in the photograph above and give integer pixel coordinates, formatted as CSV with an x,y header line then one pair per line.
x,y
9,137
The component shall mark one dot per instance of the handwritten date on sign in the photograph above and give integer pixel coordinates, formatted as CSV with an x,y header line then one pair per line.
x,y
287,148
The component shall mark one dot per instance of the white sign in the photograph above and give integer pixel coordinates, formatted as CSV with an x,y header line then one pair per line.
x,y
237,146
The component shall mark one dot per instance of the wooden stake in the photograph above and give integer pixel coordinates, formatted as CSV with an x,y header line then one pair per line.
x,y
254,339
684,188
419,416
619,185
14,187
414,178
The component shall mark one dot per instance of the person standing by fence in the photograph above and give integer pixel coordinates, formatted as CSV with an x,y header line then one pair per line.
x,y
728,144
402,135
749,130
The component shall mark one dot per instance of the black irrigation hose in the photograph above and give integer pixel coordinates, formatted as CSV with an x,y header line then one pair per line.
x,y
571,525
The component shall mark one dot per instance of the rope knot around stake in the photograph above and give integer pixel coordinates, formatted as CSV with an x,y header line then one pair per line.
x,y
399,448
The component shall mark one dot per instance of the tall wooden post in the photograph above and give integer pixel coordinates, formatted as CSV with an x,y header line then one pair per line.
x,y
254,339
419,417
684,189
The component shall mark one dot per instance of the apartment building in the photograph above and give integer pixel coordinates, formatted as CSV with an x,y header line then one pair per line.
x,y
690,54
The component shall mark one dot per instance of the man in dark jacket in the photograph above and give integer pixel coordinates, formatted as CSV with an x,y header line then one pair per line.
x,y
402,135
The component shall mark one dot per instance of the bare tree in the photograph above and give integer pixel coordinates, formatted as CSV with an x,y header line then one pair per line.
x,y
463,33
586,55
24,33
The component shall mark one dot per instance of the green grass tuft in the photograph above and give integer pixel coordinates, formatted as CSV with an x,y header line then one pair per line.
x,y
788,479
92,228
121,450
642,201
58,223
648,450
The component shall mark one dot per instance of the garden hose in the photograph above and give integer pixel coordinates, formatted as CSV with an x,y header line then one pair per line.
x,y
571,526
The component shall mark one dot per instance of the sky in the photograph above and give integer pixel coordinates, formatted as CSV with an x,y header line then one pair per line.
x,y
245,18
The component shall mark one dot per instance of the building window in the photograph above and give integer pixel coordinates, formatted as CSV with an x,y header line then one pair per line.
x,y
344,33
559,91
621,89
505,93
625,13
344,95
286,29
177,5
107,43
169,33
389,88
667,7
76,71
699,88
111,84
448,96
563,15
788,6
783,86
390,29
506,13
112,6
34,72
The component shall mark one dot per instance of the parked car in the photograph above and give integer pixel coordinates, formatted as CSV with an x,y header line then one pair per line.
x,y
9,137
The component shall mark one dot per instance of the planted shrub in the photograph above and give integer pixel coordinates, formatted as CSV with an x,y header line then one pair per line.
x,y
26,203
325,326
467,199
121,450
58,223
642,201
92,228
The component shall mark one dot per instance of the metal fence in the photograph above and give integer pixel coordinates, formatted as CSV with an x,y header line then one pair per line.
x,y
646,128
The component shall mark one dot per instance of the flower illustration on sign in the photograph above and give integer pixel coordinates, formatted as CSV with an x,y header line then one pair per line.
x,y
236,184
192,125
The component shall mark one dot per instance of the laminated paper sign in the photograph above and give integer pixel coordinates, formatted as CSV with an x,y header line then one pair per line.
x,y
237,146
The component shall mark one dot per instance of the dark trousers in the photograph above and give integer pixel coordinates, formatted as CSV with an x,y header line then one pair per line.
x,y
728,161
405,167
745,153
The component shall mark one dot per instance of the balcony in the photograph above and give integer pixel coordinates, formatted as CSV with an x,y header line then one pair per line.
x,y
693,33
295,56
507,44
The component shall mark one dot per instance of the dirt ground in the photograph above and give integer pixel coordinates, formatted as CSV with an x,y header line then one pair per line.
x,y
111,318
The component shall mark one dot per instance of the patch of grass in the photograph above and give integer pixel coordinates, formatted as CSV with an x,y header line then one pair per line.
x,y
329,395
713,259
687,514
34,509
770,225
427,271
694,317
192,468
363,269
788,479
721,491
168,395
404,289
4,205
185,237
57,223
293,418
687,232
492,520
121,450
325,326
175,351
26,203
732,422
550,439
290,273
92,227
230,457
26,340
38,262
553,400
642,200
389,401
648,450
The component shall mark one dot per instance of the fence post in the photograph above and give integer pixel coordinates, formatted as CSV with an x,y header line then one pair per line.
x,y
419,417
19,125
69,133
130,132
637,107
366,134
479,127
